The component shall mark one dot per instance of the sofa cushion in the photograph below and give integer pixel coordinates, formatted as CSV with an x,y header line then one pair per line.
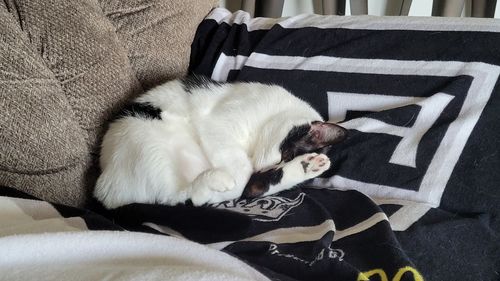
x,y
39,141
157,34
64,71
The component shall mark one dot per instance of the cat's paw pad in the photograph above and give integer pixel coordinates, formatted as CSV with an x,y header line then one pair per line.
x,y
220,181
315,164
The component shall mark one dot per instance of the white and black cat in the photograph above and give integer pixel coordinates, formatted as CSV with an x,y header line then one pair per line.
x,y
199,140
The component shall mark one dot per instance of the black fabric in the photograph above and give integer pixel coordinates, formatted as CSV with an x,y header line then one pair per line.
x,y
451,244
314,255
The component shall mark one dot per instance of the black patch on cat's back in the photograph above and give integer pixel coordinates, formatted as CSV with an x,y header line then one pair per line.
x,y
194,81
141,110
259,182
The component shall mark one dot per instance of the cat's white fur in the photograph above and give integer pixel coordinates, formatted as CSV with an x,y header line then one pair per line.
x,y
208,143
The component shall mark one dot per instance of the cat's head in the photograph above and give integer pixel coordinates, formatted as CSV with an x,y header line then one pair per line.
x,y
310,137
286,137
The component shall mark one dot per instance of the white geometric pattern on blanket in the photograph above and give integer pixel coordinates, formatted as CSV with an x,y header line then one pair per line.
x,y
221,15
406,152
416,203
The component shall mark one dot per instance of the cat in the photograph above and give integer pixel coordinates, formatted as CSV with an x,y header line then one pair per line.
x,y
199,140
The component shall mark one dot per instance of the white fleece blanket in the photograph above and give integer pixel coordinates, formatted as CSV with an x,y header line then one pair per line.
x,y
38,243
114,255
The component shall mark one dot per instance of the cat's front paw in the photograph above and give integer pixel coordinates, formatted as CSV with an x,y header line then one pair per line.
x,y
219,180
209,185
314,164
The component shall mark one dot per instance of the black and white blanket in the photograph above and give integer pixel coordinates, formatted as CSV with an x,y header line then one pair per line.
x,y
413,194
422,101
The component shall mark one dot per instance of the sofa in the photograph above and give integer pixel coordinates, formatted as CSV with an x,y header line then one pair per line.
x,y
412,193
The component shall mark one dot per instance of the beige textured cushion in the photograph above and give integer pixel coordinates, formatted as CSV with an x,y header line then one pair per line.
x,y
64,69
157,34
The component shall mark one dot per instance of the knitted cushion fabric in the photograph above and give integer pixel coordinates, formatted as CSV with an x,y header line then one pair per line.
x,y
65,67
157,34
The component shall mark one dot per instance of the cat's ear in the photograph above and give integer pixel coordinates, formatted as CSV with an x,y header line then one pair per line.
x,y
323,134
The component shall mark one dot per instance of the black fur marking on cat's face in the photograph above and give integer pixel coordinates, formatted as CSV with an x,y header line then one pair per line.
x,y
290,146
259,182
308,138
141,110
194,81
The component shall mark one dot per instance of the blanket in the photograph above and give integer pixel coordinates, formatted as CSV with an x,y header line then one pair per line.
x,y
420,97
299,235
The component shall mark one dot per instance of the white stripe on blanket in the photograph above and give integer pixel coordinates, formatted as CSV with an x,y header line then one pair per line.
x,y
22,216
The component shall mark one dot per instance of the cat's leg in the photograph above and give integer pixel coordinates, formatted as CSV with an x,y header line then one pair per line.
x,y
227,157
223,145
233,161
225,181
286,176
